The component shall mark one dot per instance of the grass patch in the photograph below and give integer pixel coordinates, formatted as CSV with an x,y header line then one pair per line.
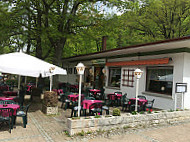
x,y
108,116
82,133
67,133
89,132
127,127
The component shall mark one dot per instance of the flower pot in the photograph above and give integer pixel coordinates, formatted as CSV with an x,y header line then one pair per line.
x,y
49,110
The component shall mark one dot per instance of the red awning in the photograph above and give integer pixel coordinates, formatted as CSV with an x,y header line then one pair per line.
x,y
139,62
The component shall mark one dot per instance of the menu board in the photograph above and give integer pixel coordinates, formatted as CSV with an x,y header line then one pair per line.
x,y
181,87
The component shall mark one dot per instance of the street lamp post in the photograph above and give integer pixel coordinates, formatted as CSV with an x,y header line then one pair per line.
x,y
80,70
138,74
51,77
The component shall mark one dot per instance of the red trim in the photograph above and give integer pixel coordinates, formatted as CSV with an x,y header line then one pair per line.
x,y
139,62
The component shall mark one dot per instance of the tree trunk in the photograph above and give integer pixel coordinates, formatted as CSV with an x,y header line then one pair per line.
x,y
57,59
38,34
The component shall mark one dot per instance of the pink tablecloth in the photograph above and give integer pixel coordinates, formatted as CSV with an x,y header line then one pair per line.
x,y
94,90
114,96
10,93
87,103
143,101
13,106
74,97
6,98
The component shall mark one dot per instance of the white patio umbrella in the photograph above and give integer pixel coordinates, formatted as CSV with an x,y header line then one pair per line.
x,y
26,65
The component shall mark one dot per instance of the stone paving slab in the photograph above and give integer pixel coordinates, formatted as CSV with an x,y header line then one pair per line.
x,y
125,138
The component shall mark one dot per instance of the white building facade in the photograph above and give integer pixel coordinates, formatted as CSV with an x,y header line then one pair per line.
x,y
164,63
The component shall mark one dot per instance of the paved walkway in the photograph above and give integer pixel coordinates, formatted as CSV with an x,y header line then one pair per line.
x,y
40,128
43,128
177,133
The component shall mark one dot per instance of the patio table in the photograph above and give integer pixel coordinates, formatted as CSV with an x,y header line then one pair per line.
x,y
94,91
74,97
4,88
60,91
6,98
113,96
86,103
13,106
141,102
10,93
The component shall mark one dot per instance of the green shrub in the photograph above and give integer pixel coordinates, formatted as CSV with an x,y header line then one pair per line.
x,y
97,116
142,112
134,113
50,99
116,112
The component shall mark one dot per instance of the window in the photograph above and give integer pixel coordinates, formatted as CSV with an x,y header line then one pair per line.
x,y
70,70
128,77
160,80
75,70
114,77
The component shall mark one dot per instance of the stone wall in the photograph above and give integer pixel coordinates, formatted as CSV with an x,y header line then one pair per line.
x,y
125,120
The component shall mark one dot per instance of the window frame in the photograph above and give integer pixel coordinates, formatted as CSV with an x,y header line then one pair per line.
x,y
109,83
128,79
159,67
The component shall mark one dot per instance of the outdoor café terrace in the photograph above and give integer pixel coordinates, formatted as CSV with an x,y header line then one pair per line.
x,y
115,109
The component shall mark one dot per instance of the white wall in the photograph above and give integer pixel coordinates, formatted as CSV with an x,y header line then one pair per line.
x,y
161,101
186,79
181,68
70,78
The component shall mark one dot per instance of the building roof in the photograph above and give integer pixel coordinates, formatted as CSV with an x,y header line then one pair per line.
x,y
176,43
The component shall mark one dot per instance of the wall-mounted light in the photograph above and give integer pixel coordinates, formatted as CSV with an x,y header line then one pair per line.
x,y
104,71
91,71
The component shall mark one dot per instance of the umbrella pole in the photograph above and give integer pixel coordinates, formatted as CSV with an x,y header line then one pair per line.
x,y
25,80
36,82
51,77
18,84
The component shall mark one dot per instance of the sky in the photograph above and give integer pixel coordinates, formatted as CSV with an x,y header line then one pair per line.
x,y
107,10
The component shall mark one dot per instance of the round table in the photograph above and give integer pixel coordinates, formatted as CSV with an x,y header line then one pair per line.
x,y
13,106
6,98
86,103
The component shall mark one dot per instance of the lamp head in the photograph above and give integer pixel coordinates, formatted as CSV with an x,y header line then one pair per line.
x,y
80,68
51,69
138,73
104,71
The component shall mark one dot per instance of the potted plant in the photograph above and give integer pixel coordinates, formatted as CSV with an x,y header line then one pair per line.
x,y
50,103
116,112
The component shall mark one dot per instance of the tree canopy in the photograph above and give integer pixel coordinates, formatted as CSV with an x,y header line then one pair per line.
x,y
53,29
